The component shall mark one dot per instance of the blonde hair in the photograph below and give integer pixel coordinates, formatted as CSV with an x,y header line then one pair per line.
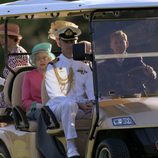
x,y
59,24
119,33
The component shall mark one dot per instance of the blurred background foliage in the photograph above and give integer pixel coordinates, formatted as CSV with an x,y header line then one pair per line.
x,y
36,30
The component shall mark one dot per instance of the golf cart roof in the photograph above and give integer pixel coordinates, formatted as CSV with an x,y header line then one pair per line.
x,y
44,8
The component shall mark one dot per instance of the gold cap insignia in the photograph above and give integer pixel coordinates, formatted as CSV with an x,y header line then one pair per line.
x,y
69,32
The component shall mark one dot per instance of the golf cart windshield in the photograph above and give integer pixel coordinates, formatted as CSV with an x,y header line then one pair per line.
x,y
126,53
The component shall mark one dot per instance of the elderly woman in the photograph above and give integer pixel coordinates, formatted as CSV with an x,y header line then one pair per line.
x,y
13,38
31,88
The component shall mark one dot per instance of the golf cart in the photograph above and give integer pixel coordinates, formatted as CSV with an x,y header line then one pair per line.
x,y
122,126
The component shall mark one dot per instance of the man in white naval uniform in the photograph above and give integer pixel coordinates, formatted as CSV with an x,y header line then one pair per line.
x,y
69,85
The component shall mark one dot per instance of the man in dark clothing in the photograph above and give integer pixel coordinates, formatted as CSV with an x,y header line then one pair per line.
x,y
123,76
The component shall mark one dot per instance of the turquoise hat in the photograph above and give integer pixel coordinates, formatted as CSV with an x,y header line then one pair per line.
x,y
44,47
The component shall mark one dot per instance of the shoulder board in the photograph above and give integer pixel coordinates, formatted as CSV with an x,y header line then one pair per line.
x,y
54,61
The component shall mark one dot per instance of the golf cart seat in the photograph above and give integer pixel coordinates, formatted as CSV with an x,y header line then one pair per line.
x,y
13,92
55,127
7,92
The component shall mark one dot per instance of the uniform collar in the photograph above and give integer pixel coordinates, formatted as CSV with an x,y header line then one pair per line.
x,y
62,57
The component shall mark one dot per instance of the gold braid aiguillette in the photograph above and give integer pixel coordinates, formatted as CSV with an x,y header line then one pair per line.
x,y
65,81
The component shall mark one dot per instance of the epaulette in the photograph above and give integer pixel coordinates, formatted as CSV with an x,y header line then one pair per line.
x,y
54,61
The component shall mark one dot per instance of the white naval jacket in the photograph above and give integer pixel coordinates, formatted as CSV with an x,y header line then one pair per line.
x,y
83,81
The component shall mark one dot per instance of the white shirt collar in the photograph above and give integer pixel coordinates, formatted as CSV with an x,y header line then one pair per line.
x,y
67,60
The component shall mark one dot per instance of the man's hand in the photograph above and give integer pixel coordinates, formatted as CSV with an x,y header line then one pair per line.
x,y
87,107
151,71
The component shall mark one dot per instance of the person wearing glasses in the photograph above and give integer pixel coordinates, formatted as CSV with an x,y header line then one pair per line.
x,y
31,87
